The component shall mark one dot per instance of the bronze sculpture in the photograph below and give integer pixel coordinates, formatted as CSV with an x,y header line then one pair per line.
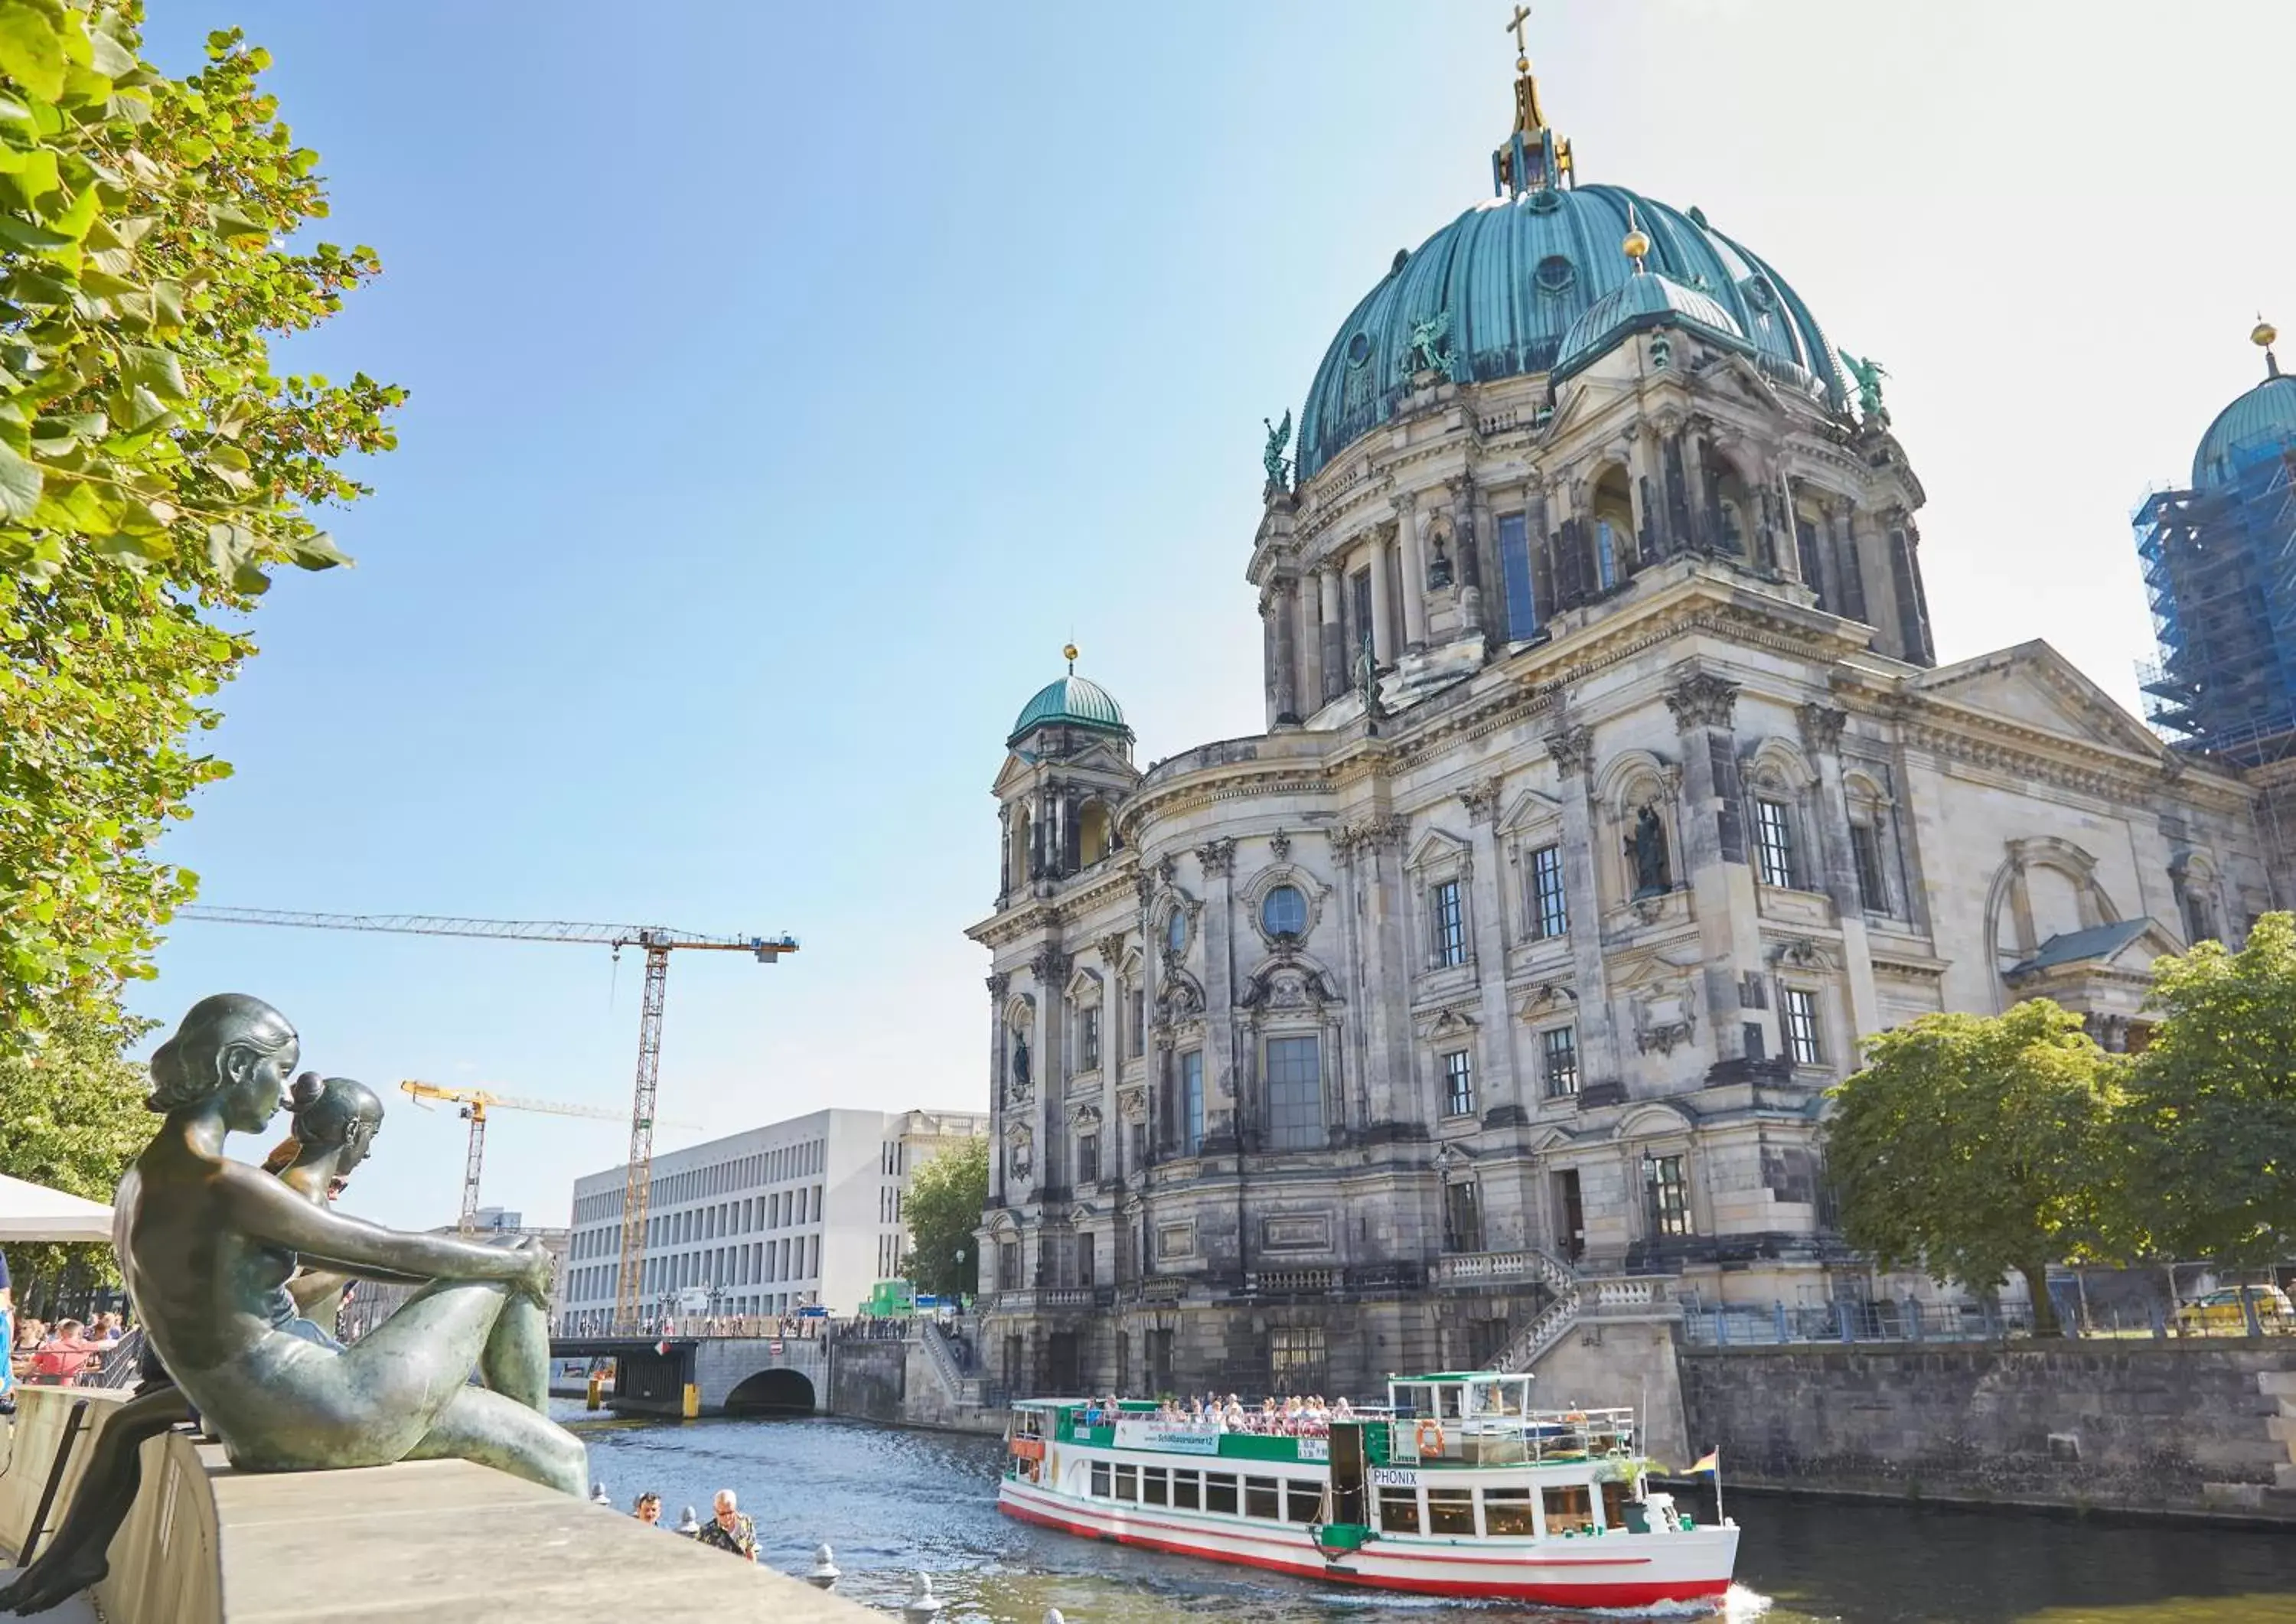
x,y
334,1124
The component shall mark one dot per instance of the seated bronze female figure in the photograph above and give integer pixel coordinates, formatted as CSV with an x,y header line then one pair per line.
x,y
207,1244
334,1124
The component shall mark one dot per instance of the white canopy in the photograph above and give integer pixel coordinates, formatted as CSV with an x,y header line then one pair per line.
x,y
34,1212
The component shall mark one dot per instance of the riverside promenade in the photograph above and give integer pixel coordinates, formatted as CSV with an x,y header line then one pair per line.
x,y
446,1542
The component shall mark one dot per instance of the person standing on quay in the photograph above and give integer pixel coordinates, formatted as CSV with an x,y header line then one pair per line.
x,y
648,1509
729,1529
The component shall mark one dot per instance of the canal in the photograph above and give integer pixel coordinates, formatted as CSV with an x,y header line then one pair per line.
x,y
892,1502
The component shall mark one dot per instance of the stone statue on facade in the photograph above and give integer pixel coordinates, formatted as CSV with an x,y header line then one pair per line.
x,y
1020,1066
1431,345
334,1125
1868,374
206,1245
1646,854
1367,679
1278,465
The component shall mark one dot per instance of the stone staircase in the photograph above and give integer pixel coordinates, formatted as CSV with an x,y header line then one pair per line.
x,y
1545,1328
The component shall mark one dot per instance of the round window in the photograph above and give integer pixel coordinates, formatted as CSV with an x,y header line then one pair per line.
x,y
1176,930
1360,349
1555,274
1284,911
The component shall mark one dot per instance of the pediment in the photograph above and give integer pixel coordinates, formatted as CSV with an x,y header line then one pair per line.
x,y
2034,685
1437,847
1530,810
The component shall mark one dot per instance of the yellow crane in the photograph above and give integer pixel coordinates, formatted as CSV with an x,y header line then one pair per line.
x,y
474,1103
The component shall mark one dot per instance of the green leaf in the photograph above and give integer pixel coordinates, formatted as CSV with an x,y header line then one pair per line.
x,y
161,370
38,239
32,46
317,551
20,485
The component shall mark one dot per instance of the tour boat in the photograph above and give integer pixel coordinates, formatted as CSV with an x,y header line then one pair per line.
x,y
1456,1488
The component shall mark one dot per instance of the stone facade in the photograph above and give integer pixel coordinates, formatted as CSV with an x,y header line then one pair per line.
x,y
1609,794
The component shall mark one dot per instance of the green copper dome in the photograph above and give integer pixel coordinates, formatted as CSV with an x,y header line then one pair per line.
x,y
1070,702
1495,294
2265,416
1648,300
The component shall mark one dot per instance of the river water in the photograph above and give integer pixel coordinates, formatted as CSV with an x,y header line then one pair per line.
x,y
892,1502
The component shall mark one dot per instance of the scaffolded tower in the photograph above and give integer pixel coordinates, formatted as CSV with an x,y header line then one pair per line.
x,y
2220,569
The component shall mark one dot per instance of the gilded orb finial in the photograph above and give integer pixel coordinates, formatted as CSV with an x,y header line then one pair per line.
x,y
1637,242
1069,654
2263,334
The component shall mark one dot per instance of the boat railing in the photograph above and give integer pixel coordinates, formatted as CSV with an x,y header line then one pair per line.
x,y
1537,1438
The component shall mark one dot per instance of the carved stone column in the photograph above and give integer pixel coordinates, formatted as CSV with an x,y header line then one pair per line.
x,y
1408,537
1370,852
1383,606
1573,752
1285,617
1714,851
1467,548
999,1078
1217,861
1050,967
1503,1099
1843,553
1821,738
1112,1047
1330,633
1648,546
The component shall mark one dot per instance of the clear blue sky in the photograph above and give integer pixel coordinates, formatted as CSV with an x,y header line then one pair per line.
x,y
788,382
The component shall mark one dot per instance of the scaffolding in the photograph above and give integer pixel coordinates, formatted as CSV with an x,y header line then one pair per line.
x,y
2220,572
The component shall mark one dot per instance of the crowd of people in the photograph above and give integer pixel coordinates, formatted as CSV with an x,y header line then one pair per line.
x,y
728,1530
59,1355
1296,1416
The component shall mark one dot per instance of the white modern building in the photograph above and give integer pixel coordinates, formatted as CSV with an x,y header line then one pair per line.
x,y
765,1221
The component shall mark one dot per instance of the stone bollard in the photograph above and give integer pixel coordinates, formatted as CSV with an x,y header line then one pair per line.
x,y
922,1606
599,1497
825,1575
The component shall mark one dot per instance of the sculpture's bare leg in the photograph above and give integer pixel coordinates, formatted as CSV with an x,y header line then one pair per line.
x,y
501,1433
76,1558
516,1360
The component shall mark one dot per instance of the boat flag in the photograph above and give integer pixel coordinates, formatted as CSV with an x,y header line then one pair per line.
x,y
662,1347
1711,1461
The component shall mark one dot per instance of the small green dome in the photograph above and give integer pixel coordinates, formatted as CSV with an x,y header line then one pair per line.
x,y
1651,299
1070,702
2263,417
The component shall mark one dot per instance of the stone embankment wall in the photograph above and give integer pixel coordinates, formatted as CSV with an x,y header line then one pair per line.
x,y
2175,1426
896,1382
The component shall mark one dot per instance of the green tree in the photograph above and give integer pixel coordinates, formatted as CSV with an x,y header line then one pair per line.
x,y
942,1209
153,468
2213,1106
1977,1146
72,1118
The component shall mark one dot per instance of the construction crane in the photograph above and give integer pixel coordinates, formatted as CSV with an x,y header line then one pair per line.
x,y
474,1103
659,943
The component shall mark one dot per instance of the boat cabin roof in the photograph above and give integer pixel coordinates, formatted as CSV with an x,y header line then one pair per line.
x,y
1460,1394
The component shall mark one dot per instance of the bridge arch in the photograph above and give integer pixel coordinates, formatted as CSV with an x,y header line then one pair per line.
x,y
779,1391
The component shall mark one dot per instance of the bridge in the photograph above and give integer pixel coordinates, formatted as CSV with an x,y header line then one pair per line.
x,y
731,1376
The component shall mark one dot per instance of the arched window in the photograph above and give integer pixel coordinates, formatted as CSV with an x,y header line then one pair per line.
x,y
1283,911
1611,505
1175,931
1016,866
1096,834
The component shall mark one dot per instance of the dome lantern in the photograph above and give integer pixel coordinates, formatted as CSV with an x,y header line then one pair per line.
x,y
1070,702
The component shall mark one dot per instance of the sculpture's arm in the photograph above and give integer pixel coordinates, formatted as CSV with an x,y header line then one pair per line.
x,y
266,1210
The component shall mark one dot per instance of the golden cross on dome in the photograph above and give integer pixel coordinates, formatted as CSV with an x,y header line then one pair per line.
x,y
1514,26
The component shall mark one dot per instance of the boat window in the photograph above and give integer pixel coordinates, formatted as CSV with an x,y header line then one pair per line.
x,y
1451,1511
1303,1500
1187,1490
1450,1399
1127,1485
1220,1491
1259,1498
1152,1491
1506,1513
1614,1505
1399,1511
1568,1507
1413,1400
1100,1479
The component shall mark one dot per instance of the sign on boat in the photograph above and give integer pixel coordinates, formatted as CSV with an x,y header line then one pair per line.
x,y
1455,1486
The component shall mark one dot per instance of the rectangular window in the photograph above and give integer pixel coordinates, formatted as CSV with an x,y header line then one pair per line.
x,y
1866,847
1086,1246
1220,1492
1446,926
1606,555
1303,1500
1670,1195
1813,576
1773,833
1801,1008
1614,1504
1295,1094
1359,635
1262,1498
1008,1267
1463,1218
1087,1169
1187,1490
1399,1511
1451,1511
1155,1487
1514,569
1100,1480
1089,1039
1128,1482
1295,1359
1139,1033
1458,1085
1506,1513
1191,1101
1568,1506
1550,914
1558,1054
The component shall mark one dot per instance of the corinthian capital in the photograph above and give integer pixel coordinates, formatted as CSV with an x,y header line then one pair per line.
x,y
1703,699
1821,728
1572,749
1218,857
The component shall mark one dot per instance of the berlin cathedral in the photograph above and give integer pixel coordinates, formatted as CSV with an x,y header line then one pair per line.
x,y
1610,793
